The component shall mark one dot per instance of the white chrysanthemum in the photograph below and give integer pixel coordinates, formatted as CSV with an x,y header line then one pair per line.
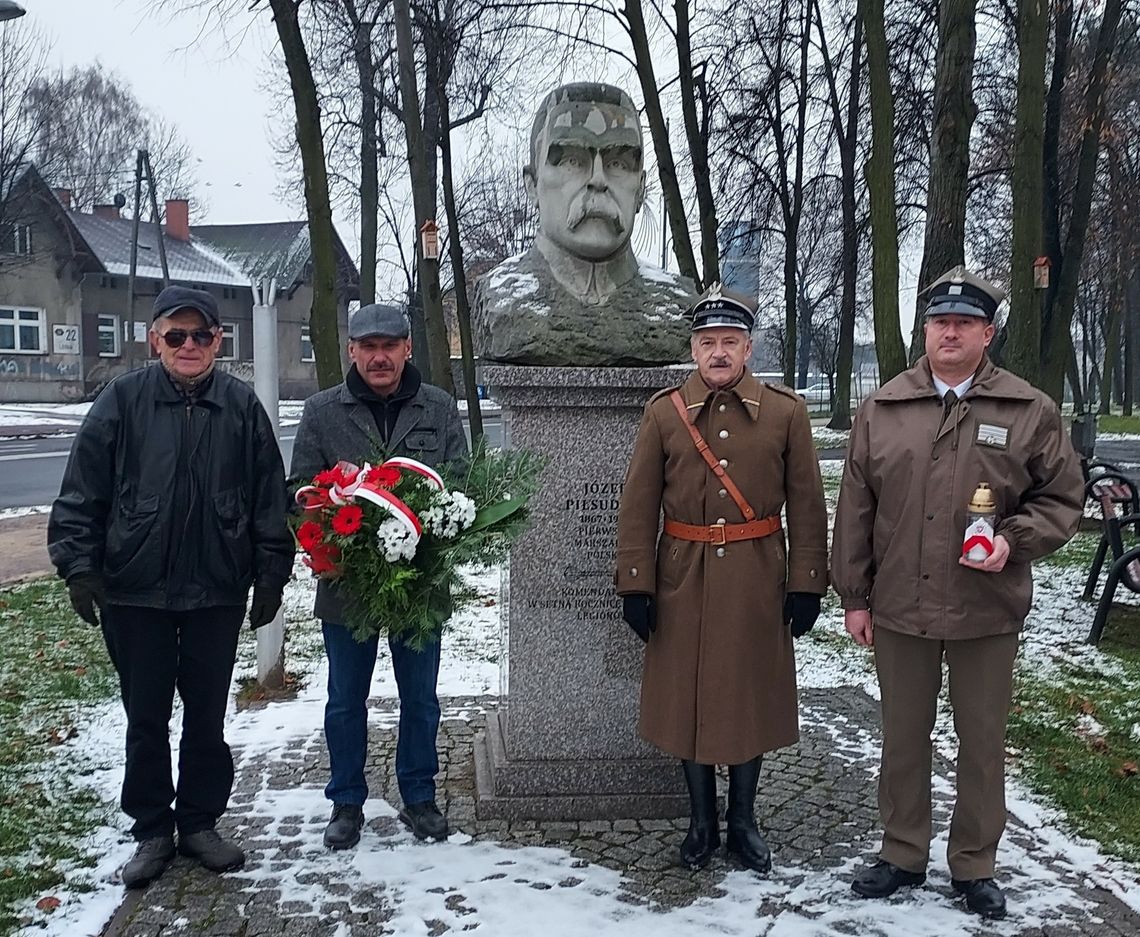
x,y
451,513
395,541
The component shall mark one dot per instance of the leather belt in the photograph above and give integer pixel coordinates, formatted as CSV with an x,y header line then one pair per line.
x,y
719,534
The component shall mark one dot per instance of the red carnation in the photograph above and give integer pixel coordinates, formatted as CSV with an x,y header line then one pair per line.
x,y
383,476
347,520
309,535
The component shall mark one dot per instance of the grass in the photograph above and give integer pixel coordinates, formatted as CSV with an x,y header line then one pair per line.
x,y
1078,552
1077,733
52,665
1115,423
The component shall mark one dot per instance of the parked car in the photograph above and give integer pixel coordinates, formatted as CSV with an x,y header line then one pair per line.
x,y
816,393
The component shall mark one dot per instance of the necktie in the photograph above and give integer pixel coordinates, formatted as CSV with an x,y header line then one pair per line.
x,y
948,400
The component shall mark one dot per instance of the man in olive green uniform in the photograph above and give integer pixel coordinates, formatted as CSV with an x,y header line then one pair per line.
x,y
919,448
720,596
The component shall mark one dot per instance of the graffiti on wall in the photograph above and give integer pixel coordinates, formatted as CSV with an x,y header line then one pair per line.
x,y
242,370
36,368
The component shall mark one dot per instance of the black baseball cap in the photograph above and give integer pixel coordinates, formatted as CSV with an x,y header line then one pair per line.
x,y
174,298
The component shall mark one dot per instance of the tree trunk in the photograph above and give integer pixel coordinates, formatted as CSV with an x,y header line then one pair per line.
x,y
846,135
1023,352
880,175
698,148
459,275
666,168
369,171
322,239
1053,371
794,212
1131,304
1054,101
1074,374
423,198
954,113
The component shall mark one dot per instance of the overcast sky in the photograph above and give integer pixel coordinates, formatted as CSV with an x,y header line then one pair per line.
x,y
209,84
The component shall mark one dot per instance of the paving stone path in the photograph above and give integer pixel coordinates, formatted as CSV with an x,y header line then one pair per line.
x,y
817,808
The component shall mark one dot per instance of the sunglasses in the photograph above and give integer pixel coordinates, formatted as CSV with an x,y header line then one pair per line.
x,y
176,338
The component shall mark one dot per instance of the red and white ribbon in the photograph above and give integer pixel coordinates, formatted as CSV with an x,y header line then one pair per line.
x,y
419,468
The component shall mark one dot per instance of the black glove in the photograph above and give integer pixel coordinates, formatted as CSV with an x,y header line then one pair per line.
x,y
87,598
640,613
801,609
263,608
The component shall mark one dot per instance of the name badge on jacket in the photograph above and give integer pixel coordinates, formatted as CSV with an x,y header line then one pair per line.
x,y
989,434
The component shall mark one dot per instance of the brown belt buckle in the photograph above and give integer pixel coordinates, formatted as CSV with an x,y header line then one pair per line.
x,y
718,529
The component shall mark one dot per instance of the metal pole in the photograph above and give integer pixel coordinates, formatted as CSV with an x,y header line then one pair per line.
x,y
271,637
157,217
130,343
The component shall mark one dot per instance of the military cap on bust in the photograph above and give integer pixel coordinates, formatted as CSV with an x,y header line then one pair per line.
x,y
961,293
379,321
719,308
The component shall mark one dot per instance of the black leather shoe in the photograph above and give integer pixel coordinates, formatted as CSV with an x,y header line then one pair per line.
x,y
211,850
744,839
982,896
424,820
703,838
150,858
882,879
343,829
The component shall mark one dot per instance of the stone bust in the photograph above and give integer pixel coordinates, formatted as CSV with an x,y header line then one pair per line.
x,y
579,296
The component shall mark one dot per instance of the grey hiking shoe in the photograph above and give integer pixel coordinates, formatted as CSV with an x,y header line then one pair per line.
x,y
215,853
150,858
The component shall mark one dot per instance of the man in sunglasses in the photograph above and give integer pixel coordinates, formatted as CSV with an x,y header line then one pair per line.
x,y
171,507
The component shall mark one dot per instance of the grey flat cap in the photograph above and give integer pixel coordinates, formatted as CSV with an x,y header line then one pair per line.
x,y
379,320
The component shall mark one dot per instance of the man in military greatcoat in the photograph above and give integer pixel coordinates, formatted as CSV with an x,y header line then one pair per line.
x,y
920,447
719,597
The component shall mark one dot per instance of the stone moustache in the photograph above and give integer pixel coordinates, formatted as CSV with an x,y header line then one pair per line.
x,y
579,296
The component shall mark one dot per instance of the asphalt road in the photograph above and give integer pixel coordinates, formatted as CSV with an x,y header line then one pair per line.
x,y
31,469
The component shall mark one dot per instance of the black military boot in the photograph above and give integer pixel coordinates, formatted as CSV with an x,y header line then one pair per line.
x,y
744,840
703,837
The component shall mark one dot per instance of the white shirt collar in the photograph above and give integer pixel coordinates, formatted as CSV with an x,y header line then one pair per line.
x,y
941,386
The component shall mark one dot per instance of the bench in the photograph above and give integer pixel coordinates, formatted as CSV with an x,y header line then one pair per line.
x,y
1119,503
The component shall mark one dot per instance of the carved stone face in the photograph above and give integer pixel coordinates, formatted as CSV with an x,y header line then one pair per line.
x,y
587,177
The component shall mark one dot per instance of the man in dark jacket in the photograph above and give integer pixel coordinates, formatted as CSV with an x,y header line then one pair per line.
x,y
382,406
172,505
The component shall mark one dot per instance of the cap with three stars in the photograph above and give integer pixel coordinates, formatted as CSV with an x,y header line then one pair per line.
x,y
961,293
380,321
719,308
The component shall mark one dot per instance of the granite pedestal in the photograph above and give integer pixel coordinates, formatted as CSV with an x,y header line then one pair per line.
x,y
563,744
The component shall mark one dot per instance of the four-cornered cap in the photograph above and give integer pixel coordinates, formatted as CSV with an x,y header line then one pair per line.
x,y
379,321
719,308
961,293
173,298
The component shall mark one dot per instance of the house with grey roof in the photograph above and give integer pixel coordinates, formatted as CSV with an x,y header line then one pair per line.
x,y
67,325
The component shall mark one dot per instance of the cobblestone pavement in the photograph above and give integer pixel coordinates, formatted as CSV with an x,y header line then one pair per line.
x,y
817,808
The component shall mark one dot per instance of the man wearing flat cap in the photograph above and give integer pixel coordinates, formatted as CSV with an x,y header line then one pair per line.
x,y
172,506
919,448
383,406
720,595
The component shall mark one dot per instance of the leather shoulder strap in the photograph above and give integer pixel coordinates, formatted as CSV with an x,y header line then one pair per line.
x,y
710,459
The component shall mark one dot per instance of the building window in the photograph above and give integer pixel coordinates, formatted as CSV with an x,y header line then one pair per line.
x,y
16,239
229,292
229,349
307,345
22,331
108,283
108,336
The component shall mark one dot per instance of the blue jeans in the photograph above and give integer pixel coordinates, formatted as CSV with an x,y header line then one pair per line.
x,y
346,716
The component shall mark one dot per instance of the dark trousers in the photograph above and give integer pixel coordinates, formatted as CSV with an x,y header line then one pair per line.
x,y
156,652
981,683
351,663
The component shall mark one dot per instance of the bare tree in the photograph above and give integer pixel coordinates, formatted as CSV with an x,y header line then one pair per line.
x,y
90,126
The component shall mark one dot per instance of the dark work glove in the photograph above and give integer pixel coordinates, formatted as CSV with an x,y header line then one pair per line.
x,y
86,593
640,613
801,609
263,608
